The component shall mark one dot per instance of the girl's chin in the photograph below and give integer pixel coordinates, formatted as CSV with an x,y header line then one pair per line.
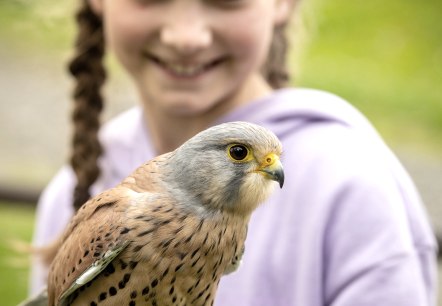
x,y
187,111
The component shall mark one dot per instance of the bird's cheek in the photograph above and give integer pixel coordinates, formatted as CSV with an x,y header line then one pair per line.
x,y
255,190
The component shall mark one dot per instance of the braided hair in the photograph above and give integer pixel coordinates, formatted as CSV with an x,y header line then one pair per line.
x,y
275,68
89,73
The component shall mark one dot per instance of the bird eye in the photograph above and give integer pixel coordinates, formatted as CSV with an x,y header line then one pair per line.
x,y
238,152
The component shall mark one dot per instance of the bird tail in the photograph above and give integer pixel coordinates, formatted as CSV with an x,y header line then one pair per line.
x,y
40,299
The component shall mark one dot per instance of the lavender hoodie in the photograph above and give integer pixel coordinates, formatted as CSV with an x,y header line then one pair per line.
x,y
347,229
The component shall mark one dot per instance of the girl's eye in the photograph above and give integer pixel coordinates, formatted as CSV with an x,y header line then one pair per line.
x,y
238,152
228,2
150,2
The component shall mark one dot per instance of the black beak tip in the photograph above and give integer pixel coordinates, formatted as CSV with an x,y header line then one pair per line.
x,y
279,177
281,180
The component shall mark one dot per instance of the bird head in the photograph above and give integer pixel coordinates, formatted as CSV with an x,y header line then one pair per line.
x,y
230,167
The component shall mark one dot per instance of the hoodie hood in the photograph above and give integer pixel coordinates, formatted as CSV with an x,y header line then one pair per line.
x,y
287,110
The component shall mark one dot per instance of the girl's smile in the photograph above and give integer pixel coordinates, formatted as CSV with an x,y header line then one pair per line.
x,y
185,68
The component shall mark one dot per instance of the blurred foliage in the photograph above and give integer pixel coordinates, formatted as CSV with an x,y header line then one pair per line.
x,y
44,25
385,57
16,224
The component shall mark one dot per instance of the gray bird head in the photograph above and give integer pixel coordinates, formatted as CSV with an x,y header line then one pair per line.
x,y
229,167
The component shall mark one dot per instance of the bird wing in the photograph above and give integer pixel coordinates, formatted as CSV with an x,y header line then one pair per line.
x,y
99,232
93,239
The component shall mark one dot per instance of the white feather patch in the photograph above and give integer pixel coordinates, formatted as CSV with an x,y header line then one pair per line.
x,y
96,268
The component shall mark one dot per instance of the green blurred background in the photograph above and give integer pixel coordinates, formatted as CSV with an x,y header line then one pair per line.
x,y
385,57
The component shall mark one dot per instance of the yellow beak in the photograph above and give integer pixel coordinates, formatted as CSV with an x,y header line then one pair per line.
x,y
272,168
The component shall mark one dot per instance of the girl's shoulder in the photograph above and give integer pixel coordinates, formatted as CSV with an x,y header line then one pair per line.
x,y
126,145
123,126
295,104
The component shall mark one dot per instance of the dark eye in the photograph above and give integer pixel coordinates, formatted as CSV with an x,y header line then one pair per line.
x,y
238,152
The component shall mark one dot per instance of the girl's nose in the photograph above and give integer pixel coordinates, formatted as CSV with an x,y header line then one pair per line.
x,y
186,32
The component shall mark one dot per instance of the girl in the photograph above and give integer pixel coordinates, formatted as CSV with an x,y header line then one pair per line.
x,y
347,229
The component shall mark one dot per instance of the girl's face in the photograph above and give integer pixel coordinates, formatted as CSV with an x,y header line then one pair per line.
x,y
188,56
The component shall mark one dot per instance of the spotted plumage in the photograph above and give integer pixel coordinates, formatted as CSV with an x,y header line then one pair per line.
x,y
168,232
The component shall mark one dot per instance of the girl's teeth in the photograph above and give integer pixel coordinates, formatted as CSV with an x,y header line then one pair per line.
x,y
185,70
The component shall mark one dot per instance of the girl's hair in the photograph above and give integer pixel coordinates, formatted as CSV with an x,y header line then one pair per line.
x,y
88,70
275,68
